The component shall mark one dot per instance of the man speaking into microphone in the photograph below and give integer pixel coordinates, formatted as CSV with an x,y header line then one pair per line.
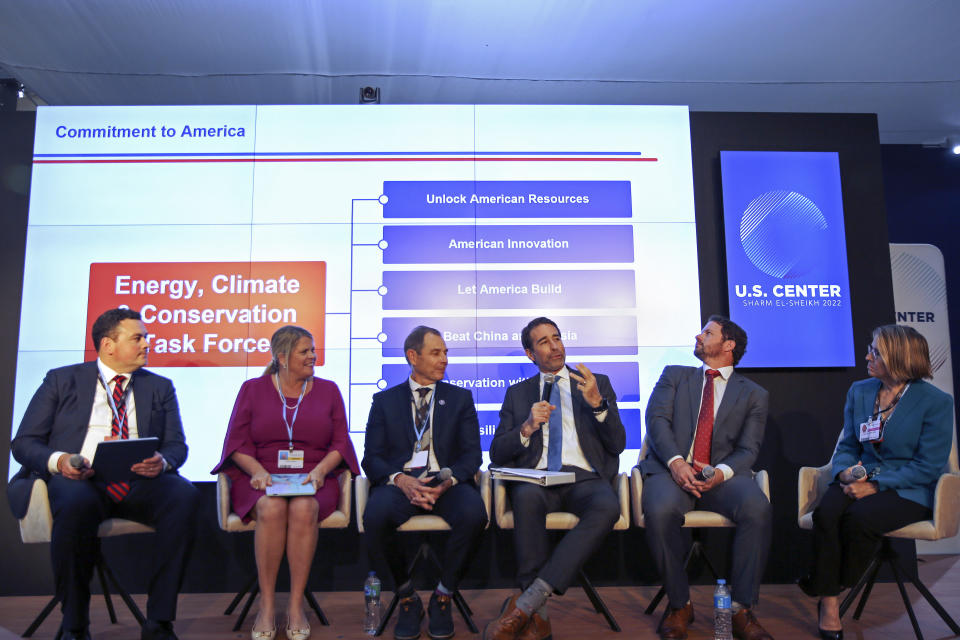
x,y
704,430
561,419
421,453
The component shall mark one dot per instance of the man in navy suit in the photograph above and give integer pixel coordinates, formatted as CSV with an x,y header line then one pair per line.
x,y
91,400
700,416
417,429
577,429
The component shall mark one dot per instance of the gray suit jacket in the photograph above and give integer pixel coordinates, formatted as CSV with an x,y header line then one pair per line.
x,y
58,417
671,420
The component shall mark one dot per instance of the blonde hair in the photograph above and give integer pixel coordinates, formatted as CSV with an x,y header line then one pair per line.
x,y
904,352
282,343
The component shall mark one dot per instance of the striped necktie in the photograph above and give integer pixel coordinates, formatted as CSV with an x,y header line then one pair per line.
x,y
119,429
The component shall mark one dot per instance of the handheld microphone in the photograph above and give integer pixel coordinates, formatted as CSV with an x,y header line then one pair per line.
x,y
706,474
77,462
858,472
549,380
442,476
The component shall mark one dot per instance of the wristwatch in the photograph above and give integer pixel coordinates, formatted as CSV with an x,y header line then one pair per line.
x,y
603,407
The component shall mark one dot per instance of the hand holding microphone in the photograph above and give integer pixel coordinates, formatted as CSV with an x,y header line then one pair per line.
x,y
74,466
540,411
705,474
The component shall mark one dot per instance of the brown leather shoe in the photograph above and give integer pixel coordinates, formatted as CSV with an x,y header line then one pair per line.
x,y
746,627
511,623
538,629
674,624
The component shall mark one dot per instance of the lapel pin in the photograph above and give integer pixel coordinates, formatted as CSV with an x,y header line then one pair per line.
x,y
441,402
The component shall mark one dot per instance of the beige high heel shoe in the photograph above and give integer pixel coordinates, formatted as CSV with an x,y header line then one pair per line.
x,y
263,635
297,634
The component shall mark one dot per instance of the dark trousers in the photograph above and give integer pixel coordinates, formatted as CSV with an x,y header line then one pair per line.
x,y
168,503
388,508
847,532
740,499
592,500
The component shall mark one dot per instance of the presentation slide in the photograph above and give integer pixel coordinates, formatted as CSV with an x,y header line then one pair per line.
x,y
221,224
787,278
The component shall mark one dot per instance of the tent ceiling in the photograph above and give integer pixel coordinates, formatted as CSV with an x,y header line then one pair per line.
x,y
899,59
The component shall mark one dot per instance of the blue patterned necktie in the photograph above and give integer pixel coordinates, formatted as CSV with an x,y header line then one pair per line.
x,y
555,445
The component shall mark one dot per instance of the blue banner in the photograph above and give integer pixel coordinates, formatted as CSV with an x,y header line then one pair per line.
x,y
787,279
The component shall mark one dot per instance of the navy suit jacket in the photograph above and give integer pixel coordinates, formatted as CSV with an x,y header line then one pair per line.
x,y
58,417
601,442
671,419
916,439
390,435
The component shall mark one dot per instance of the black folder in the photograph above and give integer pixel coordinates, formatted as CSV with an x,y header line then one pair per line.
x,y
113,458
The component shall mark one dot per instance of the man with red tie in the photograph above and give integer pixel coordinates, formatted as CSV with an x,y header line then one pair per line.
x,y
699,416
111,397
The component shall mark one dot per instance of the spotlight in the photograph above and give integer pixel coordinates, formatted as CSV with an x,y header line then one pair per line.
x,y
20,92
369,95
953,143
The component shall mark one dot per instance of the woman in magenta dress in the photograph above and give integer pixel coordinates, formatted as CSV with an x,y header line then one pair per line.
x,y
286,411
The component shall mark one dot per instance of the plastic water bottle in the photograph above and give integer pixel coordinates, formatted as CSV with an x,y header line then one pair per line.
x,y
722,612
371,597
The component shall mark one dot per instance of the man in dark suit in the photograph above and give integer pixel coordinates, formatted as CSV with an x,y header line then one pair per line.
x,y
419,432
699,416
86,403
577,429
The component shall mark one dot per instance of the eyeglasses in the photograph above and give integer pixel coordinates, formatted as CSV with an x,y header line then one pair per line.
x,y
872,351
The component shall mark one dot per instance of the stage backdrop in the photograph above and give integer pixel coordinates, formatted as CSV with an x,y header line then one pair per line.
x,y
805,405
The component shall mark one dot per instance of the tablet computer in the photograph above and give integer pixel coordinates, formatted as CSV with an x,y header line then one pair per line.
x,y
113,458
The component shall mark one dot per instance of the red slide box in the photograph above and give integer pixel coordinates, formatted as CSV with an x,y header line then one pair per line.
x,y
212,314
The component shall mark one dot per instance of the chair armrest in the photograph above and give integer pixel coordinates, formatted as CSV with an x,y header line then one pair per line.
x,y
636,493
501,505
346,488
623,497
946,506
763,479
812,483
37,524
361,488
223,499
486,490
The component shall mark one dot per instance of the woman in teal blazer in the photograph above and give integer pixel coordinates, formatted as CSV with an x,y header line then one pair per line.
x,y
897,433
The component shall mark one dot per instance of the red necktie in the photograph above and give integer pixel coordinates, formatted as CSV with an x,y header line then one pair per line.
x,y
119,490
704,437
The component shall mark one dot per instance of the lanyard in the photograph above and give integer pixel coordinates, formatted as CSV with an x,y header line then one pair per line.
x,y
426,419
283,408
876,404
113,405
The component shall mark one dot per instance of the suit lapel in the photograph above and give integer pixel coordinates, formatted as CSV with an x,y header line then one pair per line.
x,y
865,403
694,395
904,408
731,395
142,397
404,408
439,416
532,391
87,381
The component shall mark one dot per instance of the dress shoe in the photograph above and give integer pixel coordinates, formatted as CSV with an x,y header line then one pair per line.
x,y
674,624
75,634
538,629
262,635
441,617
297,634
826,634
510,625
408,618
157,630
746,627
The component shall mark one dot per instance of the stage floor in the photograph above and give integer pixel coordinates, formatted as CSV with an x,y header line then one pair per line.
x,y
784,611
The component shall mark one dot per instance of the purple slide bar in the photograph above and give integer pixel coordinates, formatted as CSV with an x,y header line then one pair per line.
x,y
632,420
554,289
483,244
489,381
508,199
500,336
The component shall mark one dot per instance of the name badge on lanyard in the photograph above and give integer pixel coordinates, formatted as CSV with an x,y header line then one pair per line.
x,y
290,458
871,430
